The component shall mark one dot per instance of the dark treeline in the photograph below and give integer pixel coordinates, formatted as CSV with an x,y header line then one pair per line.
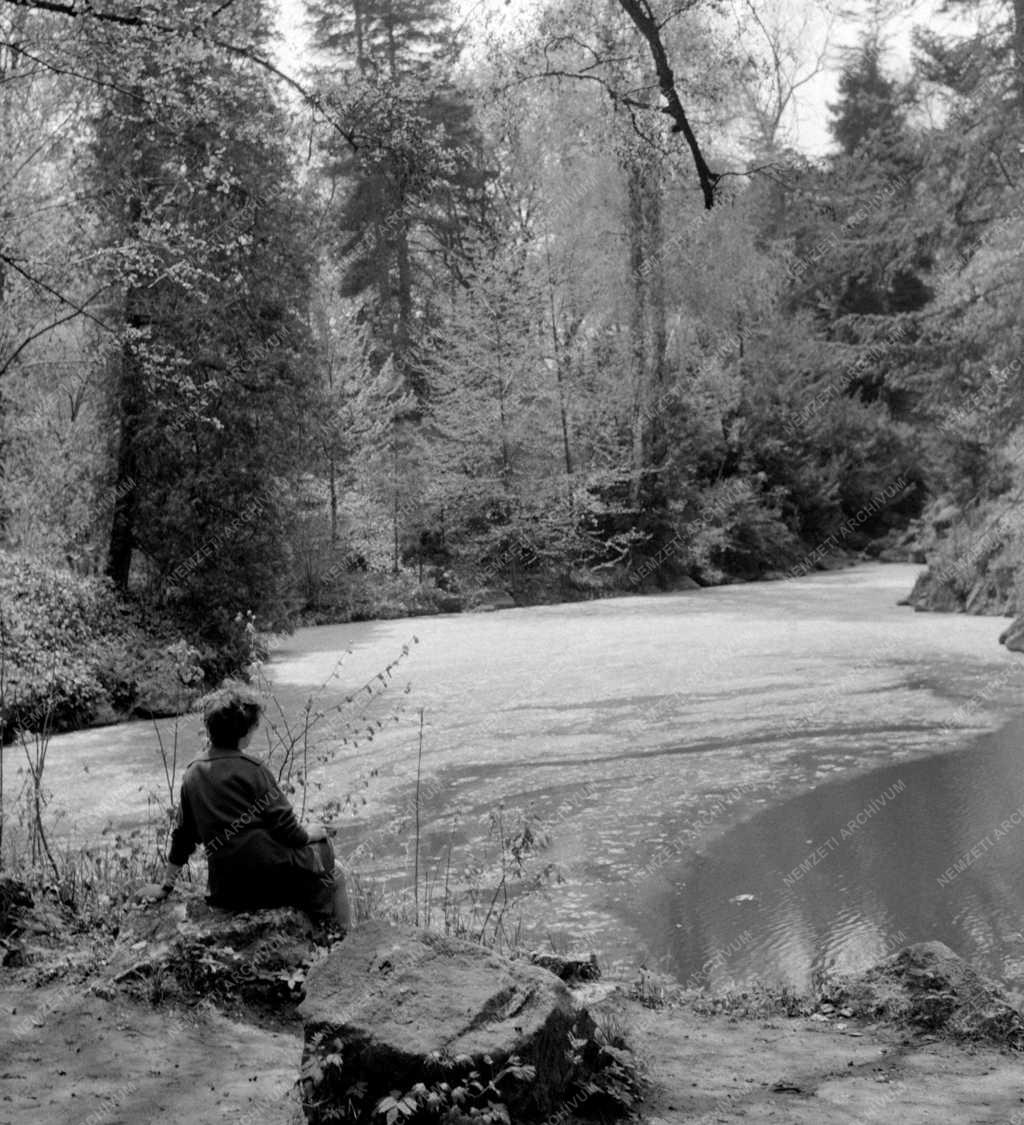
x,y
456,316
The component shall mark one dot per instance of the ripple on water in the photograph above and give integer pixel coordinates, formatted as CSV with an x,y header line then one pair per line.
x,y
939,861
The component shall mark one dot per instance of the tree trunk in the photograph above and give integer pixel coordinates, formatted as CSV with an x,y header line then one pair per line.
x,y
122,530
403,333
333,484
637,334
1018,47
657,332
506,457
559,361
357,15
395,560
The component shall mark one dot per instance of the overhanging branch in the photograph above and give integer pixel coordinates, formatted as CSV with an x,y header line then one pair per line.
x,y
639,11
87,11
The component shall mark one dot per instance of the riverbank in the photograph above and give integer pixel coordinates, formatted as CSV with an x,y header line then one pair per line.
x,y
74,655
973,557
721,1070
367,596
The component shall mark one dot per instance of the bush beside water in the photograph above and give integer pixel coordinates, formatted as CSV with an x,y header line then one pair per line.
x,y
72,654
75,653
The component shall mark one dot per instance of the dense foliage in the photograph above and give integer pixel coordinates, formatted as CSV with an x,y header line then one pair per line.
x,y
71,652
457,318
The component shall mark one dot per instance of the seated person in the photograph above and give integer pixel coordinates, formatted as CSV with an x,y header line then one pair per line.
x,y
259,855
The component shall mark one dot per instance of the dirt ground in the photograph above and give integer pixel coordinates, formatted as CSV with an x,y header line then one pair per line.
x,y
715,1069
76,1059
68,1057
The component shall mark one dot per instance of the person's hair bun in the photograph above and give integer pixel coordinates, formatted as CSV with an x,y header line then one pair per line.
x,y
230,713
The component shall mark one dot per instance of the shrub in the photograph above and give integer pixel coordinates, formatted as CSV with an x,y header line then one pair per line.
x,y
69,648
740,531
50,621
372,595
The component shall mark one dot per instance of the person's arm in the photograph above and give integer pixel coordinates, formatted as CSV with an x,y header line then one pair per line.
x,y
183,843
157,892
279,818
184,838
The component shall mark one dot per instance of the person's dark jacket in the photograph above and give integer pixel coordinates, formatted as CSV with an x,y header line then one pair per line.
x,y
259,855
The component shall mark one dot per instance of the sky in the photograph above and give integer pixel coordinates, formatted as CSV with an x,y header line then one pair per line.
x,y
807,125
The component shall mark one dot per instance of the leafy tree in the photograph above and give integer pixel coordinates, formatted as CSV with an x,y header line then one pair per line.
x,y
52,445
495,419
203,234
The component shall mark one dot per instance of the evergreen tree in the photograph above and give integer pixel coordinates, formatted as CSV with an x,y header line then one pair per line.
x,y
402,39
972,188
868,111
416,181
861,251
203,234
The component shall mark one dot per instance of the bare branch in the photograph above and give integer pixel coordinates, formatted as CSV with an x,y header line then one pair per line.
x,y
639,11
580,76
784,63
52,137
55,68
9,362
80,310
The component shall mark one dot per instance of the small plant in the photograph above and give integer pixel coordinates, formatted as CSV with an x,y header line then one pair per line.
x,y
472,1098
610,1030
296,746
648,990
35,746
757,1001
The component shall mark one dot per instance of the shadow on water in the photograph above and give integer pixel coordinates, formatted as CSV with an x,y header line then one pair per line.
x,y
836,878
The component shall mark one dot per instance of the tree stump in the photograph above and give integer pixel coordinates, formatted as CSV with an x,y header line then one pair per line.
x,y
409,1025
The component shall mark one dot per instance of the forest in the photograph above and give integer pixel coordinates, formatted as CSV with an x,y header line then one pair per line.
x,y
559,311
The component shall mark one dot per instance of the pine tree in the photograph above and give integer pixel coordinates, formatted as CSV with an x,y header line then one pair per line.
x,y
869,111
400,38
861,261
416,181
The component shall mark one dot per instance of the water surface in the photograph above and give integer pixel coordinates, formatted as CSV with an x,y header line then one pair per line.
x,y
686,752
835,878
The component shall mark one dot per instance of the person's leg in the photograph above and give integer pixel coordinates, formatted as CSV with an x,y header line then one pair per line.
x,y
332,896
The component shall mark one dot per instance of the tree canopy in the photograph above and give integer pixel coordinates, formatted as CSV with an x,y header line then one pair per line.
x,y
474,308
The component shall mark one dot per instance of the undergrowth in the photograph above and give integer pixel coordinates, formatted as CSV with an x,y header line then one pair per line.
x,y
754,1001
95,882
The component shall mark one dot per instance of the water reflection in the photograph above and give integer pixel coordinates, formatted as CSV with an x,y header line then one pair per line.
x,y
821,885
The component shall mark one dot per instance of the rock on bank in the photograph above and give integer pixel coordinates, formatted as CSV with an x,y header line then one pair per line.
x,y
413,1021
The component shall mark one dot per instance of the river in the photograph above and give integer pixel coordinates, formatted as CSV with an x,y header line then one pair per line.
x,y
755,781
